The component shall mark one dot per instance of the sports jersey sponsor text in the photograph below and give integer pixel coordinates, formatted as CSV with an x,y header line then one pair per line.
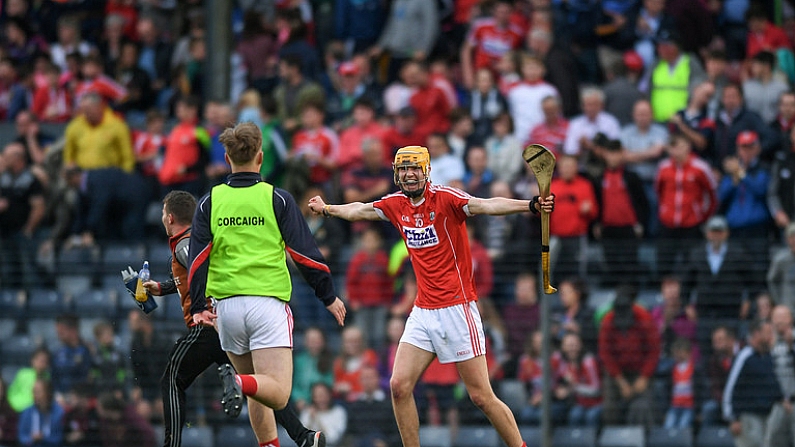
x,y
421,237
237,221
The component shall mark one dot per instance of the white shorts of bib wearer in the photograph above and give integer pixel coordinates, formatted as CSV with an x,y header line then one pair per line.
x,y
247,323
453,333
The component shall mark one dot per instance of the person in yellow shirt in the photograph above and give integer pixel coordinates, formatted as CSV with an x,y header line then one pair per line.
x,y
97,138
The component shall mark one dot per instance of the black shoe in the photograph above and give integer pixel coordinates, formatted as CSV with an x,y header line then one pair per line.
x,y
232,399
314,439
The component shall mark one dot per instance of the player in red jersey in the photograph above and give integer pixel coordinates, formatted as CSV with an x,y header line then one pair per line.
x,y
444,322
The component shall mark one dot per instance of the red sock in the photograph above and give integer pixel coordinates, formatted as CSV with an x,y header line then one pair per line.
x,y
248,384
524,444
274,443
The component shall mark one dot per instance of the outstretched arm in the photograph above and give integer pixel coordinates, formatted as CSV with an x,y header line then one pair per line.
x,y
349,211
498,206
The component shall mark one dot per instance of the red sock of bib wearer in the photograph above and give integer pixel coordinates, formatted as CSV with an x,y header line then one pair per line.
x,y
273,443
248,384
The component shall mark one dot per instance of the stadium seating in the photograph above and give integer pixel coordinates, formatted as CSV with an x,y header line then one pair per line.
x,y
472,436
532,435
17,350
513,393
669,437
96,303
574,437
197,437
42,332
116,257
431,436
284,438
236,435
622,436
714,437
13,302
46,303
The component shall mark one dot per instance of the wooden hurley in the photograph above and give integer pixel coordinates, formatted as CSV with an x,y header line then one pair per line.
x,y
542,162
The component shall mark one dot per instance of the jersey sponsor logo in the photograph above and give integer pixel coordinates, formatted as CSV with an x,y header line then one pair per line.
x,y
420,237
238,221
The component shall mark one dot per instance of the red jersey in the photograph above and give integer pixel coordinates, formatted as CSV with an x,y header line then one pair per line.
x,y
567,220
447,87
584,377
682,390
491,41
687,192
432,108
348,370
367,280
770,39
52,105
146,147
435,234
106,87
551,137
323,143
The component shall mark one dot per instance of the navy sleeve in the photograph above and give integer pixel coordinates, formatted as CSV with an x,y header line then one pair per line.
x,y
301,246
201,241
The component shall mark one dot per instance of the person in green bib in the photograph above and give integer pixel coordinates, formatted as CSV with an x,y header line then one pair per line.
x,y
241,233
673,76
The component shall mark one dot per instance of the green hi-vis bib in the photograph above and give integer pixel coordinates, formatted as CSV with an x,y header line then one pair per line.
x,y
669,89
247,256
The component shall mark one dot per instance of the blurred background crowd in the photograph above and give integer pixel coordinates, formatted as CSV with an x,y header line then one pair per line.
x,y
673,242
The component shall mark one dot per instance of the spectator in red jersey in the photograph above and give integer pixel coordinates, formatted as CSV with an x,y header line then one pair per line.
x,y
576,209
624,209
186,151
763,35
147,146
674,318
402,133
314,153
52,103
428,101
551,133
369,286
364,127
577,381
348,365
629,348
686,382
367,182
521,317
687,195
489,38
94,80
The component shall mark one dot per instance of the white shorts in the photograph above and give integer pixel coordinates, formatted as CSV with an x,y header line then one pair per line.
x,y
453,333
247,323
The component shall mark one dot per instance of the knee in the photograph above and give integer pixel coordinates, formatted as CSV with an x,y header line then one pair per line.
x,y
280,403
480,398
400,388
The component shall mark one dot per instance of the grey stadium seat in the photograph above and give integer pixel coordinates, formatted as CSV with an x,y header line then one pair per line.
x,y
622,436
574,437
673,437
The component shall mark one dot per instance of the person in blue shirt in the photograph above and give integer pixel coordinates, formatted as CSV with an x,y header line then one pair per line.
x,y
41,425
71,363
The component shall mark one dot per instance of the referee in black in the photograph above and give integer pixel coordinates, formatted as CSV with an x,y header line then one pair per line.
x,y
200,347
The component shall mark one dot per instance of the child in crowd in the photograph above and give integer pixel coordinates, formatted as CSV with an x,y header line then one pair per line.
x,y
683,386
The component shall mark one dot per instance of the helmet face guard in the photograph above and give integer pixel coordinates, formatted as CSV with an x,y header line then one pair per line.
x,y
412,156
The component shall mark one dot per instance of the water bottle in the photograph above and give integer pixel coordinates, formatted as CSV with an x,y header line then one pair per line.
x,y
143,276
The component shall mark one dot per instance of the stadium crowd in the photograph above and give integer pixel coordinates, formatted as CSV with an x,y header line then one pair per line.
x,y
673,238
